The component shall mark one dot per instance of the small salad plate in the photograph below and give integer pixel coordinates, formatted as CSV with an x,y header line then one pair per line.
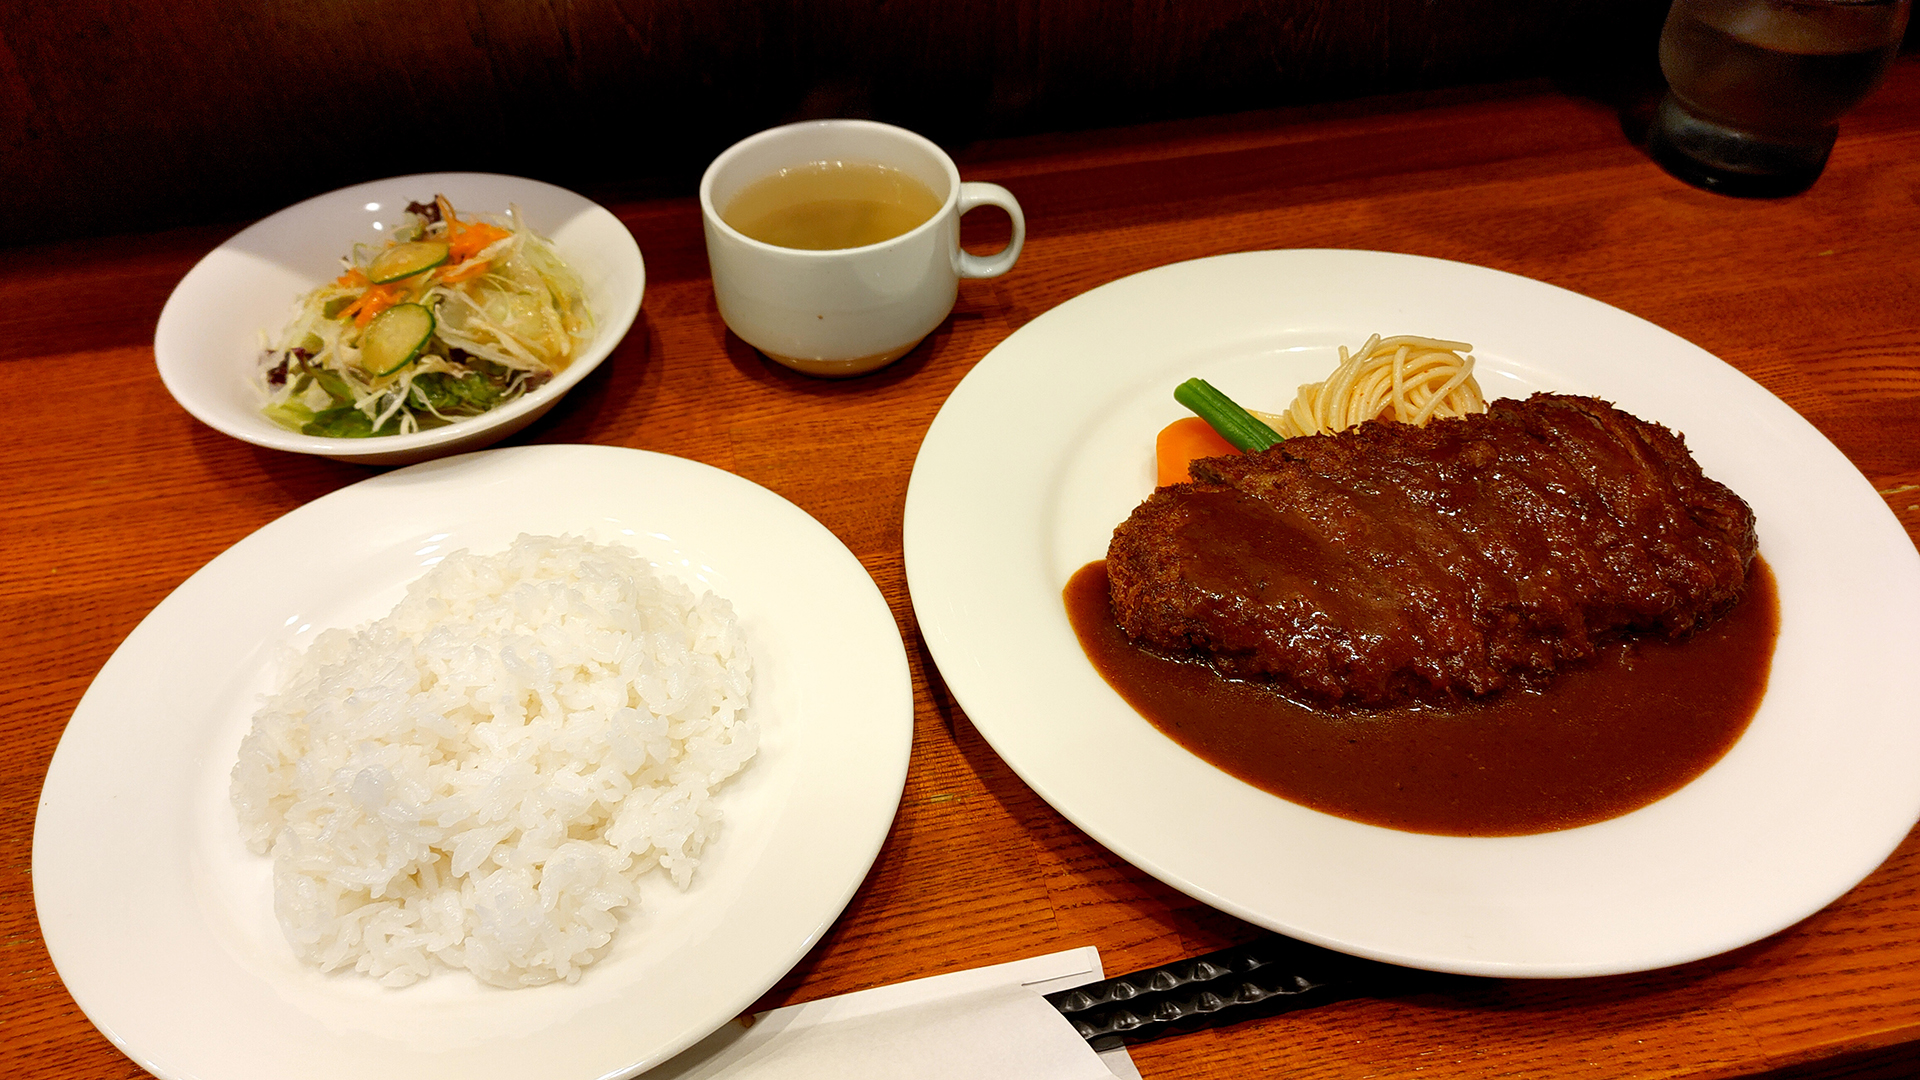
x,y
218,323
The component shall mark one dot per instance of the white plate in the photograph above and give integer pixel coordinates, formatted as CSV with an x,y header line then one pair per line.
x,y
1048,444
208,342
162,924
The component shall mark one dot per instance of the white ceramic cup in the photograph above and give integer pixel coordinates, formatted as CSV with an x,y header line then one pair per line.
x,y
848,310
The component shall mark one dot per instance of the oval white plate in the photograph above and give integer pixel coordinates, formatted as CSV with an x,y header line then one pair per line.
x,y
162,925
208,342
1825,782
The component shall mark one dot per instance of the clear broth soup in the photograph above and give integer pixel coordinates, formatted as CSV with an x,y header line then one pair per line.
x,y
826,205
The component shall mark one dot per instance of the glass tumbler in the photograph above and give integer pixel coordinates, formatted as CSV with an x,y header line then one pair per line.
x,y
1757,87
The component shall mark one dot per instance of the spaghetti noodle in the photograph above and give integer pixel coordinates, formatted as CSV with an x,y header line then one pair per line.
x,y
1404,378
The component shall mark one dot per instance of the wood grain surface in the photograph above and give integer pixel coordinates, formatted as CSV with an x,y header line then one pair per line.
x,y
112,496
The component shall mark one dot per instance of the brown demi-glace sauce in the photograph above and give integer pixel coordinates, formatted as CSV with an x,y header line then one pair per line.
x,y
1631,725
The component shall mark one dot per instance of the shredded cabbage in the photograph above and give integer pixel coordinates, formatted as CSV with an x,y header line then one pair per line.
x,y
512,317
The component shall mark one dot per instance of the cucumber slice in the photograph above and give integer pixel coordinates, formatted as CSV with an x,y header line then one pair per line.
x,y
406,260
394,338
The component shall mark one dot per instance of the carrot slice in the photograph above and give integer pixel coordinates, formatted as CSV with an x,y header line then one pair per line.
x,y
1181,442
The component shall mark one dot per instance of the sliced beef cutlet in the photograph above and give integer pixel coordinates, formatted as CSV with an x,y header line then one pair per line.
x,y
1391,564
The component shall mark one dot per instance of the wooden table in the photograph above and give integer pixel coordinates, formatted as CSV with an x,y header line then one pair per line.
x,y
113,496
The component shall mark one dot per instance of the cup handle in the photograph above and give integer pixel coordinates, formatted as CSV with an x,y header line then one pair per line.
x,y
986,266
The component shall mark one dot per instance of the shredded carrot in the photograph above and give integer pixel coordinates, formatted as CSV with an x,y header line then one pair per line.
x,y
375,300
465,239
1183,441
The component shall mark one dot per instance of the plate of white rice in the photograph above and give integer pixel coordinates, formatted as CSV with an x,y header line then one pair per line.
x,y
543,761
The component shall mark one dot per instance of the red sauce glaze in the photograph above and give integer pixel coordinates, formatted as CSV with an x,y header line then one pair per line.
x,y
1631,725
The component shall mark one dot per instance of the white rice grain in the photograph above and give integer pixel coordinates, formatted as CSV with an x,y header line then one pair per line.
x,y
481,778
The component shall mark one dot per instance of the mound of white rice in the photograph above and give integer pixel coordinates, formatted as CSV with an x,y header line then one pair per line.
x,y
482,777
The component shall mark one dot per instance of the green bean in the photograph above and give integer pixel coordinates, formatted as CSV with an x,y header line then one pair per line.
x,y
1235,424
